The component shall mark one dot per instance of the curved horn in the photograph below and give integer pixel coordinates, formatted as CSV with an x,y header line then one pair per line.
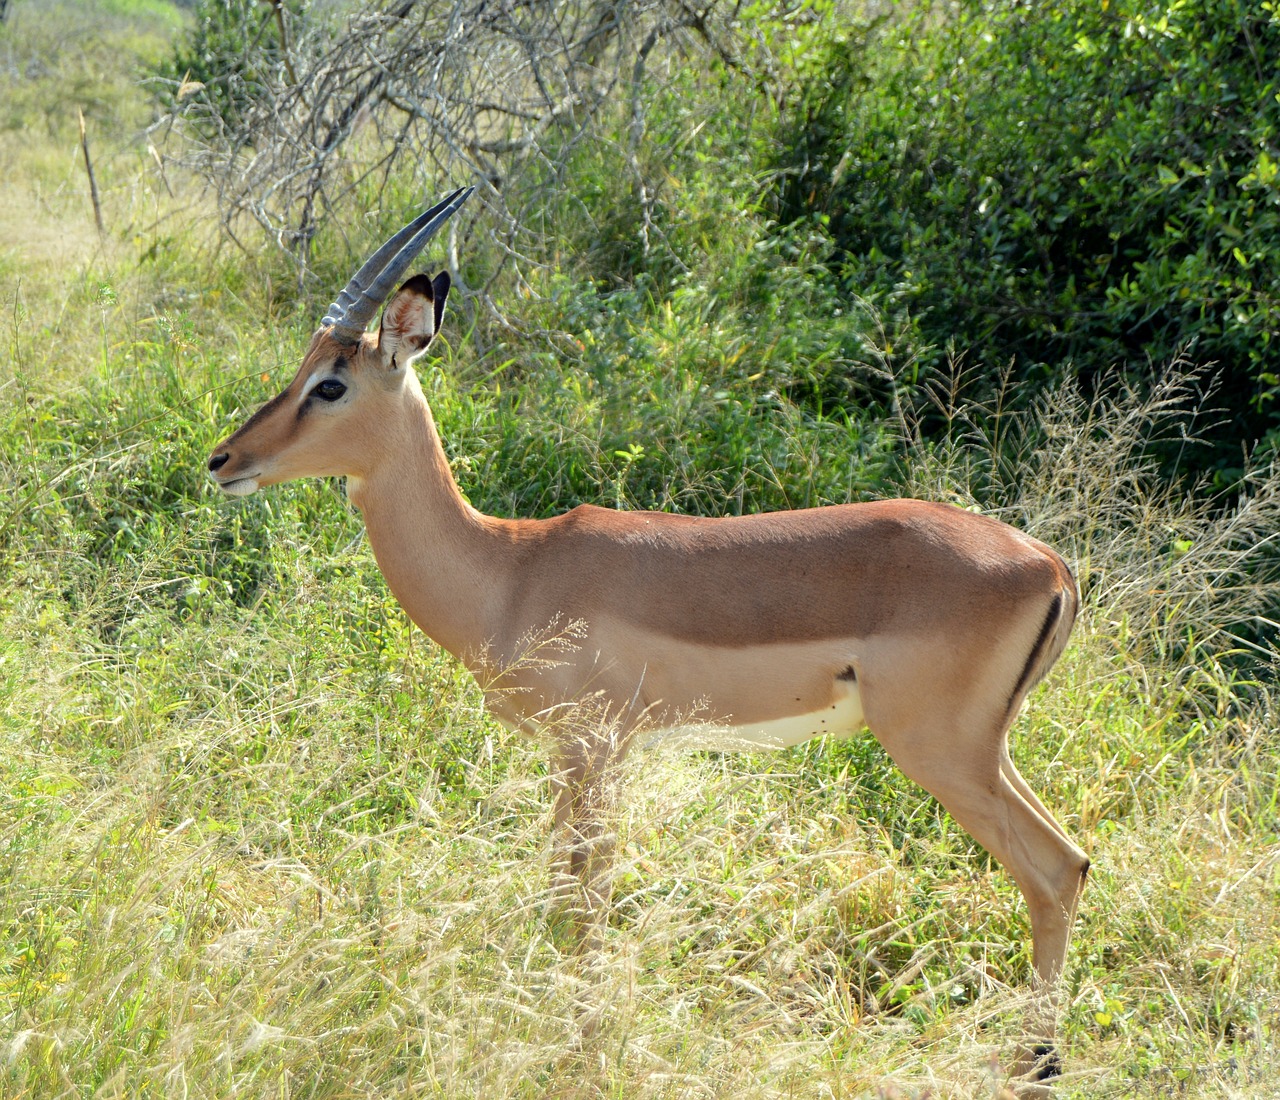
x,y
369,287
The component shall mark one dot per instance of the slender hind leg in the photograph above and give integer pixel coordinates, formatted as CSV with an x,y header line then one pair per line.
x,y
1020,785
1022,836
1041,1061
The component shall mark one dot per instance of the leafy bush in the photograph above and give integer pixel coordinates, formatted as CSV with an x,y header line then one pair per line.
x,y
229,56
1089,182
707,334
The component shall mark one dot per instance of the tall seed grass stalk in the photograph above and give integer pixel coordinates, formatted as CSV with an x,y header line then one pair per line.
x,y
1184,570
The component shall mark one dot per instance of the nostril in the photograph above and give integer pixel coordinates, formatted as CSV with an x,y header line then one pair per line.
x,y
218,461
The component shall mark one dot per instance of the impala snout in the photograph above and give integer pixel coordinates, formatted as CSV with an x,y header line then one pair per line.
x,y
231,477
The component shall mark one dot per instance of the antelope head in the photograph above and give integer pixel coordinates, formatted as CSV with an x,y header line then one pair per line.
x,y
329,420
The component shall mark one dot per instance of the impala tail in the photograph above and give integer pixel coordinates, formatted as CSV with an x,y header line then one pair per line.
x,y
1054,635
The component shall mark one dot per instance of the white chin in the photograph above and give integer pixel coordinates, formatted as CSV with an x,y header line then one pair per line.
x,y
241,487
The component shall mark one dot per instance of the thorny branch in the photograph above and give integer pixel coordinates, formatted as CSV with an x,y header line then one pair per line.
x,y
432,93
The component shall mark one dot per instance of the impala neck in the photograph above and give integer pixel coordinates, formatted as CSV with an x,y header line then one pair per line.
x,y
437,553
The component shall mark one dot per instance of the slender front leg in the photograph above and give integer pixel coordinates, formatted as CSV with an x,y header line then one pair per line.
x,y
586,768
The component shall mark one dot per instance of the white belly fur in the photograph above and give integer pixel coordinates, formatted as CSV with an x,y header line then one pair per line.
x,y
842,719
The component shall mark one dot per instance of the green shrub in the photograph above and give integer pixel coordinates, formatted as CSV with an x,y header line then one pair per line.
x,y
678,333
1089,182
223,56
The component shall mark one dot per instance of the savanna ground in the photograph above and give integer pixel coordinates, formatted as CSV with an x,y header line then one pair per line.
x,y
259,839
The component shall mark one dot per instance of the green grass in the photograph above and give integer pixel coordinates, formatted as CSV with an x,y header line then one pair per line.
x,y
258,838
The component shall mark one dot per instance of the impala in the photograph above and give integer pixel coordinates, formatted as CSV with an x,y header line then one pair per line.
x,y
924,623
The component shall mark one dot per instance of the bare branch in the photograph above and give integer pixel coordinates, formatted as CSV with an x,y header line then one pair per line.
x,y
427,93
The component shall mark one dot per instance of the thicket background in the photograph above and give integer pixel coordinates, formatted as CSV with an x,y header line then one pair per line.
x,y
259,839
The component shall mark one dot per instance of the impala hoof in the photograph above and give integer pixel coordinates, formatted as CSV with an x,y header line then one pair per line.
x,y
1034,1072
1047,1065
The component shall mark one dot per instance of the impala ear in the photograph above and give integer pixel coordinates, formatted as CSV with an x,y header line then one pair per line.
x,y
440,291
411,319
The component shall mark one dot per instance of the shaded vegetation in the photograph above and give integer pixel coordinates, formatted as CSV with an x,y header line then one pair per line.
x,y
1084,186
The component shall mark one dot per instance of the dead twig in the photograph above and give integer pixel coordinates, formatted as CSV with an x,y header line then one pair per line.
x,y
427,94
93,182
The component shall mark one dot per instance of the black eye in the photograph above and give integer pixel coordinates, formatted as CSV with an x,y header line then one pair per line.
x,y
329,390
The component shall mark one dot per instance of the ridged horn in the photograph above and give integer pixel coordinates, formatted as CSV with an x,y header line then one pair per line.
x,y
369,287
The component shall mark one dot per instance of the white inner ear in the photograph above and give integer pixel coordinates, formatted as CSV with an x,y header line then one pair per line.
x,y
407,328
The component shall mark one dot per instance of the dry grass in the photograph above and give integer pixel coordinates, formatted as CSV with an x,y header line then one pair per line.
x,y
248,883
